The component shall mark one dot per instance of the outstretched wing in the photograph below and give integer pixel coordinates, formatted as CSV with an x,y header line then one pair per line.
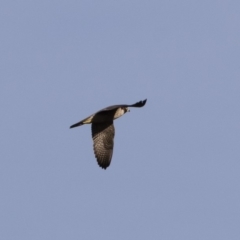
x,y
87,120
103,135
137,104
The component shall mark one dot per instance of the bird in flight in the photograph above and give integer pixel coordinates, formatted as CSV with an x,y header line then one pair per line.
x,y
103,130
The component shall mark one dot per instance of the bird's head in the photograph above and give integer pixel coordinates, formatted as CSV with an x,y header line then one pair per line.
x,y
126,109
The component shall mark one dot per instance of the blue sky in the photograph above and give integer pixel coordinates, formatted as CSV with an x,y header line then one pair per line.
x,y
176,162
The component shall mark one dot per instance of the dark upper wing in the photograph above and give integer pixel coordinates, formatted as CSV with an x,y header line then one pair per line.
x,y
103,135
137,104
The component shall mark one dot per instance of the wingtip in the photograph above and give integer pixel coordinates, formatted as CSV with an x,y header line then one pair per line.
x,y
104,166
139,104
143,102
76,125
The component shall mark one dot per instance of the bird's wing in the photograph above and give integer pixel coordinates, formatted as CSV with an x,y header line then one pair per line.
x,y
103,135
84,121
137,104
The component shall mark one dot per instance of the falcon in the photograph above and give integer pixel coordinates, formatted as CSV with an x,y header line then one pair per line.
x,y
103,130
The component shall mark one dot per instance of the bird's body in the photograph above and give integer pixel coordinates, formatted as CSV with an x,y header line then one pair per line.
x,y
103,130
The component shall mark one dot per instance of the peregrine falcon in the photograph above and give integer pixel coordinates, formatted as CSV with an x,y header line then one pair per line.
x,y
103,130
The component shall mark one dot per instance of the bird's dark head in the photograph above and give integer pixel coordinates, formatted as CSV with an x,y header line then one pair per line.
x,y
126,109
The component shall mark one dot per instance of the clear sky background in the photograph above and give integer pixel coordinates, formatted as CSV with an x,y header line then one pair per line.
x,y
175,172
